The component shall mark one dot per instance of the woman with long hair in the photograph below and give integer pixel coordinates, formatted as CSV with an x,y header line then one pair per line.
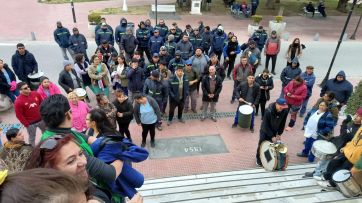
x,y
98,72
231,50
294,50
81,67
47,88
8,81
108,108
119,75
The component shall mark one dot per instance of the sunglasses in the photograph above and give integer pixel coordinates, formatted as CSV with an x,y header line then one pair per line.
x,y
49,145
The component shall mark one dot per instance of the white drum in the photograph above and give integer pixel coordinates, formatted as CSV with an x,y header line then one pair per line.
x,y
244,117
273,156
323,149
5,102
36,75
346,184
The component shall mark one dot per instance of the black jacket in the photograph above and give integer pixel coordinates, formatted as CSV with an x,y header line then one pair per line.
x,y
65,80
273,122
126,108
4,86
205,85
23,65
78,43
128,43
242,91
268,82
220,71
173,89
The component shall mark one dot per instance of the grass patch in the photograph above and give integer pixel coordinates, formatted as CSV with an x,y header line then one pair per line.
x,y
65,1
132,10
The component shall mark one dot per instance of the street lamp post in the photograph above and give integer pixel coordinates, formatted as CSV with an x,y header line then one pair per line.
x,y
156,12
339,44
353,36
73,11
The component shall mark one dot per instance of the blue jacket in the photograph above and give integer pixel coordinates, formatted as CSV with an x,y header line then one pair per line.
x,y
155,44
197,41
260,37
173,84
78,43
115,148
143,37
61,36
120,30
325,122
218,42
162,29
156,89
104,35
23,65
342,90
309,81
135,79
288,74
227,49
4,86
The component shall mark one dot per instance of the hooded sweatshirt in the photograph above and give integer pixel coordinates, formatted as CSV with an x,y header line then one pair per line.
x,y
289,73
341,89
120,30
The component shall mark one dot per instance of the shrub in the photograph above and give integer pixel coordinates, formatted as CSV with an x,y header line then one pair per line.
x,y
256,19
355,101
94,18
279,19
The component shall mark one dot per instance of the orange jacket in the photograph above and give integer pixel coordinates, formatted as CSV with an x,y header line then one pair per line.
x,y
353,149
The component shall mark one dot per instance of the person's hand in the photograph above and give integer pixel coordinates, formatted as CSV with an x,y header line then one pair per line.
x,y
119,114
137,198
241,99
289,94
274,139
355,171
232,53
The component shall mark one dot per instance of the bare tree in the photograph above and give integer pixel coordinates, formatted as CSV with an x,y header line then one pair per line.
x,y
342,5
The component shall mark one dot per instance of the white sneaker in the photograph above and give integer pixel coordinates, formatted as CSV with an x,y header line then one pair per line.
x,y
324,184
318,178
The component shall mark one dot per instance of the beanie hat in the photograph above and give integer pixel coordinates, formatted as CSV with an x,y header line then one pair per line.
x,y
66,62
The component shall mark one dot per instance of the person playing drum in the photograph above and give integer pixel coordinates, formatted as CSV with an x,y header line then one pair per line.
x,y
273,124
247,93
318,124
350,156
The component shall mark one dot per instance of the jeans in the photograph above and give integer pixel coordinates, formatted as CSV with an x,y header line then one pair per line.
x,y
148,128
274,61
205,105
307,147
303,108
64,52
193,97
321,167
173,105
293,114
32,131
12,95
236,118
236,84
123,129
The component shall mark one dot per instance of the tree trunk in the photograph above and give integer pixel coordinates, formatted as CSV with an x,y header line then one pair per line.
x,y
342,5
269,4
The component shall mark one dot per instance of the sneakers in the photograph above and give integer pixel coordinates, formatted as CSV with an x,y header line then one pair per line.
x,y
273,73
301,154
234,125
153,145
324,184
213,119
181,120
202,118
258,164
169,123
143,144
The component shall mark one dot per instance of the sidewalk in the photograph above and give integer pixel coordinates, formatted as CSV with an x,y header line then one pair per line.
x,y
41,19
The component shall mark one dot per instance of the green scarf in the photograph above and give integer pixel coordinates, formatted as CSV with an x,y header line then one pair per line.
x,y
76,135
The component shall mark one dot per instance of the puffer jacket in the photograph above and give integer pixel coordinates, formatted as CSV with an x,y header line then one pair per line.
x,y
299,93
155,89
353,149
143,36
309,81
128,43
341,89
120,30
61,37
288,74
266,83
23,65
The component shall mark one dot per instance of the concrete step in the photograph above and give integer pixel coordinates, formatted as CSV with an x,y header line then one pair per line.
x,y
251,185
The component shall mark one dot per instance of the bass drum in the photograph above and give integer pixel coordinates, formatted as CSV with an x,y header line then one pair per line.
x,y
271,158
323,149
346,183
244,117
5,102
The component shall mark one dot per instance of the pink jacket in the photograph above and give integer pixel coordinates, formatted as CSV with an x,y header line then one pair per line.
x,y
299,93
53,89
79,114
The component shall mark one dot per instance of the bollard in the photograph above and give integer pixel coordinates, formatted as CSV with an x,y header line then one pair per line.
x,y
316,37
33,38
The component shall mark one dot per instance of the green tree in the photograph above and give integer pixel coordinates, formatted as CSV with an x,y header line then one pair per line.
x,y
355,101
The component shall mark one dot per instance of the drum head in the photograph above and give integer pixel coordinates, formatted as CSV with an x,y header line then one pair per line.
x,y
341,176
80,92
325,147
36,75
267,156
246,109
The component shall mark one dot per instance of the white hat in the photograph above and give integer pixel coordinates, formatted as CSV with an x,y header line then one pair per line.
x,y
220,28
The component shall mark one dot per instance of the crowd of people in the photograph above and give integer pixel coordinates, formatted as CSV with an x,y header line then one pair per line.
x,y
154,68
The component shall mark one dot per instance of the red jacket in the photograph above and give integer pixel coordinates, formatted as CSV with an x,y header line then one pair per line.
x,y
299,93
27,108
53,89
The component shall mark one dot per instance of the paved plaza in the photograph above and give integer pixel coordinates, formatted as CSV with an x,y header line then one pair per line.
x,y
237,146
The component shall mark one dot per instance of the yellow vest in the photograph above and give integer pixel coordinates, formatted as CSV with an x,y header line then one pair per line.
x,y
353,149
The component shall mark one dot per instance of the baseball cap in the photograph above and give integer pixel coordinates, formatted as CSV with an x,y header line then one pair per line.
x,y
155,55
188,62
281,102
